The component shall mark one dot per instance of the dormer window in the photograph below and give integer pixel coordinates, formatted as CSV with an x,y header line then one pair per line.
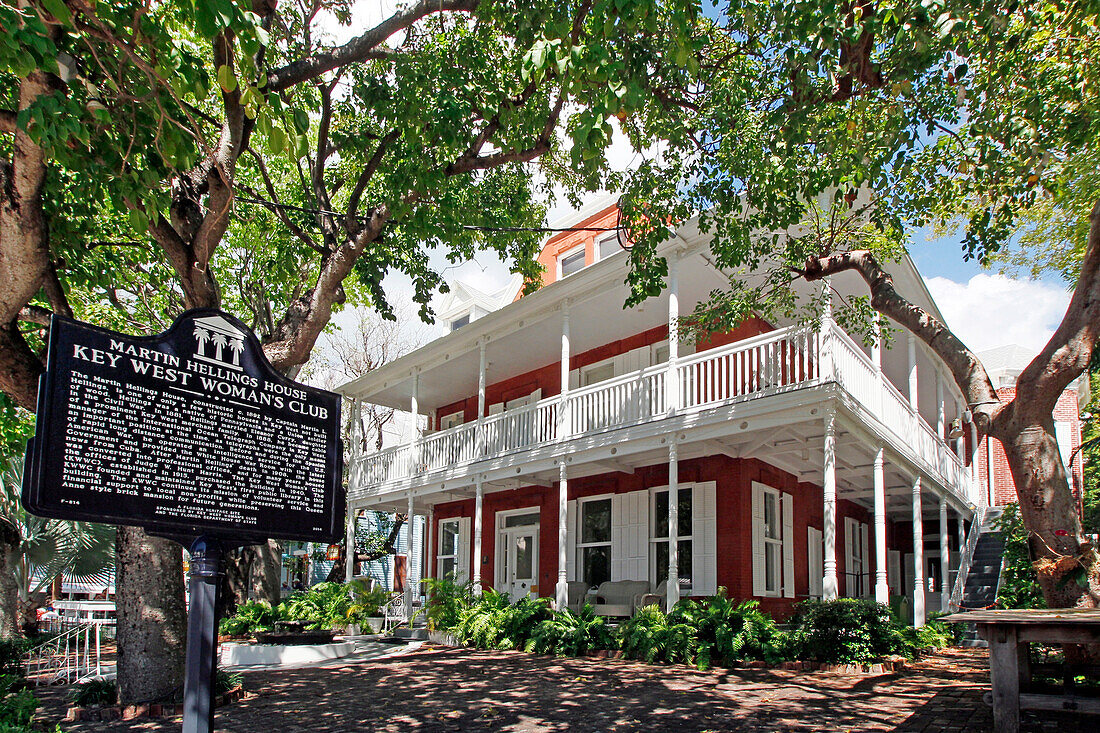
x,y
460,322
608,245
572,261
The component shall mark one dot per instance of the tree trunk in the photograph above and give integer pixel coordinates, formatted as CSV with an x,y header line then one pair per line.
x,y
9,588
265,572
1068,567
152,618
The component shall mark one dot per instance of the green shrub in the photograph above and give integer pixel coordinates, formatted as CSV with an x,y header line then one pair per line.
x,y
492,622
319,607
845,631
650,636
225,681
17,706
12,651
251,617
1019,583
365,602
933,635
446,600
94,692
569,634
726,631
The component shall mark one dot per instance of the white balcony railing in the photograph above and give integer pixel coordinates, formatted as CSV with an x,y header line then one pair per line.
x,y
777,361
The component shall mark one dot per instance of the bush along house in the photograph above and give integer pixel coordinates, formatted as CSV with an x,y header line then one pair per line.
x,y
805,464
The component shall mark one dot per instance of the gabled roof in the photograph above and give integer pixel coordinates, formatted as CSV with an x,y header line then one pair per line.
x,y
462,296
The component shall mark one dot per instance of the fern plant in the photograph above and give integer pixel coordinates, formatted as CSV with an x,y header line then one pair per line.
x,y
651,636
727,631
571,634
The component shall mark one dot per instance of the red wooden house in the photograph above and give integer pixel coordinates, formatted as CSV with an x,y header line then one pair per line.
x,y
807,464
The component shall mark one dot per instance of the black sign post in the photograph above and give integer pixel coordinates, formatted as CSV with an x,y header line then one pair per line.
x,y
191,435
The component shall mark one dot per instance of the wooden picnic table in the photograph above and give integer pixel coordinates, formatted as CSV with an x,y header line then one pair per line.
x,y
1010,633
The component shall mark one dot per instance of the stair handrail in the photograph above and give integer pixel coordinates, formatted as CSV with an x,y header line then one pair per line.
x,y
68,655
395,611
966,557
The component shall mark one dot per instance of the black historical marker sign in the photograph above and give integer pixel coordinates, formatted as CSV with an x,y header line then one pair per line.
x,y
187,433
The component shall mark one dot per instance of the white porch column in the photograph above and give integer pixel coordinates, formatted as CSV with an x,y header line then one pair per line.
x,y
479,440
960,532
876,359
918,557
882,589
945,558
565,418
914,379
941,407
561,591
349,547
475,569
429,543
414,430
672,382
673,525
829,585
356,435
412,586
825,333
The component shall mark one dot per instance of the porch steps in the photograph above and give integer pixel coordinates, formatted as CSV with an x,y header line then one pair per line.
x,y
980,590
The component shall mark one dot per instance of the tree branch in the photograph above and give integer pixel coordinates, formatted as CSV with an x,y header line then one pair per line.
x,y
363,47
967,371
55,293
364,178
1069,350
7,122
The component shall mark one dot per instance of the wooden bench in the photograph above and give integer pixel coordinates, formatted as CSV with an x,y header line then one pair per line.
x,y
1010,633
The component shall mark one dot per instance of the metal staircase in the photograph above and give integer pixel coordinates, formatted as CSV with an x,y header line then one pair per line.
x,y
982,575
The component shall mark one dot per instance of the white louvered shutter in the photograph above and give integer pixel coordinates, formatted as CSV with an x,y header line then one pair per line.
x,y
788,546
462,562
815,561
851,538
704,539
758,583
866,559
571,568
630,536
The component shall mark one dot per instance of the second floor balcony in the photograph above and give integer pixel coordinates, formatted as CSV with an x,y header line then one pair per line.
x,y
714,387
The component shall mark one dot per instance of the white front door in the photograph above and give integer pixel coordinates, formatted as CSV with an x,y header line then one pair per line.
x,y
518,550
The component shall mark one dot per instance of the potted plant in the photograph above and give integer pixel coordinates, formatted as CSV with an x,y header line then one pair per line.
x,y
366,606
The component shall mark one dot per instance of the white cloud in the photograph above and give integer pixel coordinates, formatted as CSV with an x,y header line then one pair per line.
x,y
993,310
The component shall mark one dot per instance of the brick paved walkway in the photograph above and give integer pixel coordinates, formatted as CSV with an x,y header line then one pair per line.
x,y
440,689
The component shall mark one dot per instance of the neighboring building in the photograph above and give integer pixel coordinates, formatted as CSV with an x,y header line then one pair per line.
x,y
1004,365
559,421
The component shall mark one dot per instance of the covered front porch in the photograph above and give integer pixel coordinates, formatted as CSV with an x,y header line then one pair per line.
x,y
782,506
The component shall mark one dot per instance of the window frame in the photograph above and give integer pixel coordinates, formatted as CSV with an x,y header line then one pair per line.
x,y
580,545
461,414
609,237
776,542
468,316
654,540
563,256
583,371
454,555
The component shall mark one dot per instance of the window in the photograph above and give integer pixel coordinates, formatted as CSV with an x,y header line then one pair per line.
x,y
659,537
594,547
607,246
447,561
773,544
450,421
571,261
460,322
857,571
659,353
597,372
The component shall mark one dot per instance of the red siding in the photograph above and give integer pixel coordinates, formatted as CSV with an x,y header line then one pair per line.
x,y
992,461
733,479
